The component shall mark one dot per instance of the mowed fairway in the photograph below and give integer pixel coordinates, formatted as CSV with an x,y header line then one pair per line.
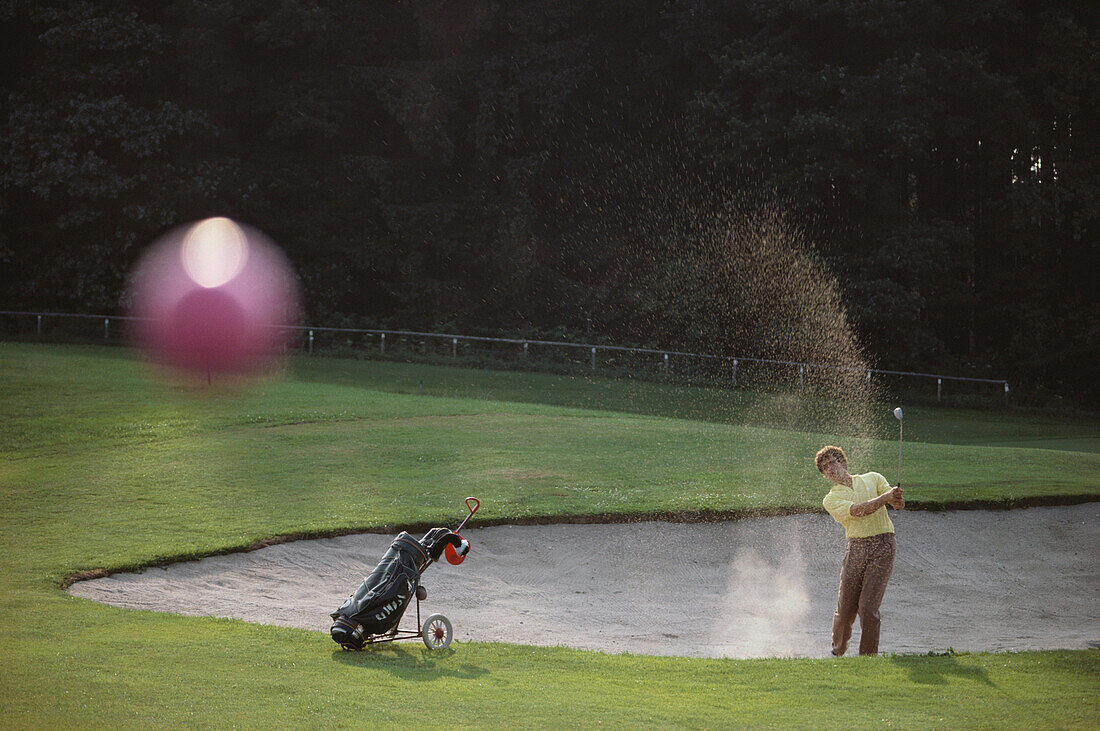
x,y
102,468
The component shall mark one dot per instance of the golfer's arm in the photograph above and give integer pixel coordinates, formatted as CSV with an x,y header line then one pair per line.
x,y
860,509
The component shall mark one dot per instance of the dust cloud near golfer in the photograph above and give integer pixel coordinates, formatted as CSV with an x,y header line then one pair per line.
x,y
858,502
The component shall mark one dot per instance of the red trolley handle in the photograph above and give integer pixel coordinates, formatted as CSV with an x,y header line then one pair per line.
x,y
472,508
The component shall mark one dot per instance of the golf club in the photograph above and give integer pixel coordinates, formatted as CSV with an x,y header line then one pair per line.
x,y
901,431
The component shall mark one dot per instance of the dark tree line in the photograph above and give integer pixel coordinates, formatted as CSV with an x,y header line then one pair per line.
x,y
544,166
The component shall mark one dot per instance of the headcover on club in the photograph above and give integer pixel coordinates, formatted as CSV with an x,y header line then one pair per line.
x,y
455,556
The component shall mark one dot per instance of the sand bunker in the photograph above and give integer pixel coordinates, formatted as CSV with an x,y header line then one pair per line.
x,y
762,587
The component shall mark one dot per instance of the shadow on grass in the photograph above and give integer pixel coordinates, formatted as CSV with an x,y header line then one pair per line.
x,y
936,668
406,665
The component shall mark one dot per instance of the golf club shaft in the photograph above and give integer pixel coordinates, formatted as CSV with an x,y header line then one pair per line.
x,y
901,434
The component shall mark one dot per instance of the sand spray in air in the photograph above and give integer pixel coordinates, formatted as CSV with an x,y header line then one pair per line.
x,y
777,293
737,273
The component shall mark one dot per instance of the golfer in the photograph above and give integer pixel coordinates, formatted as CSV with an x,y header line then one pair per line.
x,y
858,502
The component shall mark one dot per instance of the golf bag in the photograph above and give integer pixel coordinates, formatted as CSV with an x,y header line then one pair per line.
x,y
377,605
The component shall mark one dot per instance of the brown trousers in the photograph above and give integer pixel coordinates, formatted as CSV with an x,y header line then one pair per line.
x,y
867,566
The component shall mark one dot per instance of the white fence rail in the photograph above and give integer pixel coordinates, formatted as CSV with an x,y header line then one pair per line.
x,y
310,332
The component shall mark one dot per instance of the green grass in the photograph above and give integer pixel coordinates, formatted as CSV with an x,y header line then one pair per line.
x,y
101,467
990,427
141,669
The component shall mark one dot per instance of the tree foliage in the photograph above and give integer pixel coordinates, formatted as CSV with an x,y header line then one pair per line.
x,y
527,165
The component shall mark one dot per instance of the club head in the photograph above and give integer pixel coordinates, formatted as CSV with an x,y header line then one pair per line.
x,y
897,413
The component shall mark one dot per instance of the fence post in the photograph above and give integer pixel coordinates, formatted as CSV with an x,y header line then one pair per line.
x,y
868,378
39,333
735,372
593,359
454,348
525,350
106,328
311,342
1006,393
801,376
939,390
382,347
666,362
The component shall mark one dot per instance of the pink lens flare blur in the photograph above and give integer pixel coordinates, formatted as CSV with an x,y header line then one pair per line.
x,y
214,297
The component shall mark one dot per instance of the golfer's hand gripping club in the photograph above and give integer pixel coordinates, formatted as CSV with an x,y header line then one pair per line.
x,y
896,499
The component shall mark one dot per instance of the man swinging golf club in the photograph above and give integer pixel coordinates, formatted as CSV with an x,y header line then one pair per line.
x,y
858,502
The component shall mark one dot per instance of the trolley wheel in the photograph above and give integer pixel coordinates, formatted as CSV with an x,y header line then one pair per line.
x,y
437,632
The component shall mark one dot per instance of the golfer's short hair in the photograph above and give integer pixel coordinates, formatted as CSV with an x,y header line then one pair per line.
x,y
830,451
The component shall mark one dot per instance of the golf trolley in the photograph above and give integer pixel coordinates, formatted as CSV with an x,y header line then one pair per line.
x,y
373,613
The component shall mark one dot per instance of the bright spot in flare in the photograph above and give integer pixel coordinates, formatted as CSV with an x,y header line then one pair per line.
x,y
214,251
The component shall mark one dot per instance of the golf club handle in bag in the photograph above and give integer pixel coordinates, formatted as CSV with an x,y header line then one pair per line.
x,y
439,538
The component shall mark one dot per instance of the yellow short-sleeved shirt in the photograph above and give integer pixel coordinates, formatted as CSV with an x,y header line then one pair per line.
x,y
841,498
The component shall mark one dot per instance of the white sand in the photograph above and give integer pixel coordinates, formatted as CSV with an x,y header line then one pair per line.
x,y
971,580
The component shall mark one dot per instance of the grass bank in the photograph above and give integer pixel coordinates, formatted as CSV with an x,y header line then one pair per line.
x,y
101,467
